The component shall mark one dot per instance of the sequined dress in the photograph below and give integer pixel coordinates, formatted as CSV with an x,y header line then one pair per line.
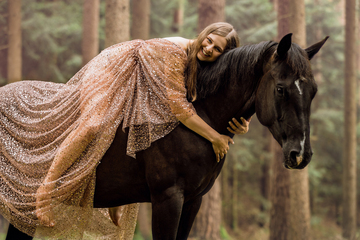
x,y
137,83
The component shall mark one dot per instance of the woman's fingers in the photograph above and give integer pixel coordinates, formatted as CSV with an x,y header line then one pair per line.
x,y
236,127
230,130
223,147
239,128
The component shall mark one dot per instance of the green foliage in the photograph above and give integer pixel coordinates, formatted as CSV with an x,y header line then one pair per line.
x,y
325,170
51,41
255,20
162,19
224,235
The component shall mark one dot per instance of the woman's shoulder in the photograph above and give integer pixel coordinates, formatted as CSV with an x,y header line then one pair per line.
x,y
180,41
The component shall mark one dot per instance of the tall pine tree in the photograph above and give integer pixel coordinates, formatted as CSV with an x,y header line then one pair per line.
x,y
349,150
299,179
208,221
14,69
90,37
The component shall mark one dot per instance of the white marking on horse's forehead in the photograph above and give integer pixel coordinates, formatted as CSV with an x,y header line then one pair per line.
x,y
297,84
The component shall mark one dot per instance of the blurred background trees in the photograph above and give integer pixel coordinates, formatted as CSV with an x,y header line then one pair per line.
x,y
254,200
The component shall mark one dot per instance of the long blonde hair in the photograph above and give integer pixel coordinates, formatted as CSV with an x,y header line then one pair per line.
x,y
220,28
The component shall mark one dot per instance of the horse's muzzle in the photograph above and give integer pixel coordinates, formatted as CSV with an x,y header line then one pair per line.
x,y
294,160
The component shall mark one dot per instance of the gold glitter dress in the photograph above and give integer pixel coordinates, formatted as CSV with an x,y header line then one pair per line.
x,y
137,83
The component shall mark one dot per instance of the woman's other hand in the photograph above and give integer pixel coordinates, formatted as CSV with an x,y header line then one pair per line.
x,y
221,146
239,128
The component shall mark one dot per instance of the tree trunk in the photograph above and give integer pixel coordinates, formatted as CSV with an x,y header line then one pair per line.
x,y
283,18
299,205
144,222
226,191
140,20
317,70
349,167
210,11
117,27
235,198
14,64
208,220
299,179
280,196
265,177
178,17
90,38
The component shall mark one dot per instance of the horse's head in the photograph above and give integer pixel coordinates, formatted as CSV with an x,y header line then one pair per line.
x,y
283,100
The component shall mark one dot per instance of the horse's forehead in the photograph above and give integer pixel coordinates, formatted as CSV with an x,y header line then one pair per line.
x,y
296,71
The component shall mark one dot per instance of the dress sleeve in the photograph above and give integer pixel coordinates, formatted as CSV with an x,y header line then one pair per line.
x,y
176,90
170,62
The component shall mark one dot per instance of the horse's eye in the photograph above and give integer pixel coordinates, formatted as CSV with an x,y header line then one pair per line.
x,y
280,91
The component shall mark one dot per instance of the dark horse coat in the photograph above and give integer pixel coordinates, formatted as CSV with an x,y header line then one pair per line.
x,y
270,79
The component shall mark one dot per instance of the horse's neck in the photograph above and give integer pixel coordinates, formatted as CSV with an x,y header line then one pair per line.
x,y
237,99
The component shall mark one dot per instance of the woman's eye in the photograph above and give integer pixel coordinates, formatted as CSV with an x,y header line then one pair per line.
x,y
209,40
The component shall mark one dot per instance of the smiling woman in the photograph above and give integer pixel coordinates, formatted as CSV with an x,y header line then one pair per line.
x,y
211,48
213,41
213,36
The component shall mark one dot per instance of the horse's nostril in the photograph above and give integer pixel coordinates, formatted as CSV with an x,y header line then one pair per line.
x,y
295,158
293,155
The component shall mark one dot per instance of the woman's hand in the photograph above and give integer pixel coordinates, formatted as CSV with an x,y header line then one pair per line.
x,y
221,146
239,128
219,142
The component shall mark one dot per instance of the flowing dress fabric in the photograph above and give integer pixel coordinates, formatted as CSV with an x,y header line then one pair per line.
x,y
137,83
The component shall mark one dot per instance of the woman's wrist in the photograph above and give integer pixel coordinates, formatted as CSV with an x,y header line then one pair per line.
x,y
199,126
215,137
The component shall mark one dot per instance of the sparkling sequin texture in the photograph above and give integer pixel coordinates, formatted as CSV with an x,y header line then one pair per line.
x,y
138,83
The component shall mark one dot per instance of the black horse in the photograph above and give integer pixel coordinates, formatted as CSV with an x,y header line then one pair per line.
x,y
273,80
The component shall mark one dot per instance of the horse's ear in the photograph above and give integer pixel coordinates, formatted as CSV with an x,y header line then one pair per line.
x,y
312,50
284,46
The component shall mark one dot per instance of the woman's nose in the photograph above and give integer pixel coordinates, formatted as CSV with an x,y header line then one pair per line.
x,y
209,48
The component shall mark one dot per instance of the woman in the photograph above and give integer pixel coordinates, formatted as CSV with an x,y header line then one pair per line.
x,y
68,128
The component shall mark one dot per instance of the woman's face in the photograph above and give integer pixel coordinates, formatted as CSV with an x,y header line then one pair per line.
x,y
211,48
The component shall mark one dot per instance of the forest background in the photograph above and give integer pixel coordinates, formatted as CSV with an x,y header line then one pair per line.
x,y
51,50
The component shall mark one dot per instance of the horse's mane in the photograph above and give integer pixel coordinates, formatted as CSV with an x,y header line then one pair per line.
x,y
298,60
241,63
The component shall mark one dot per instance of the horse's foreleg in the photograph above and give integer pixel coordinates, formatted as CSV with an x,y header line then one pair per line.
x,y
166,212
15,234
190,209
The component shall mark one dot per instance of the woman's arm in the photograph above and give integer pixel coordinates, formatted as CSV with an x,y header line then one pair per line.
x,y
180,41
219,142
